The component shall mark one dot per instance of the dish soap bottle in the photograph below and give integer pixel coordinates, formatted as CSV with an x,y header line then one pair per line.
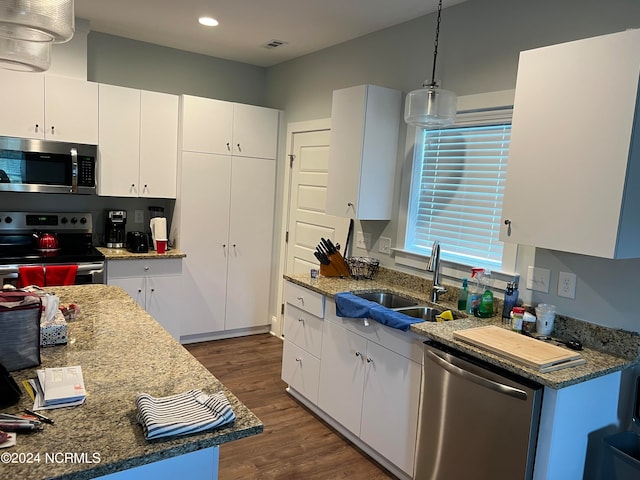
x,y
462,296
486,302
510,301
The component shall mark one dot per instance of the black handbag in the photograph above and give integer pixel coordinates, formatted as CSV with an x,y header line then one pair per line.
x,y
9,391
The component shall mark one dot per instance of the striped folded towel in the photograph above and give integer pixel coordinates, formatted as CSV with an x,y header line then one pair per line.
x,y
182,414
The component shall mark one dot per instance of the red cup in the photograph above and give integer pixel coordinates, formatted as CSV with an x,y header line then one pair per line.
x,y
161,246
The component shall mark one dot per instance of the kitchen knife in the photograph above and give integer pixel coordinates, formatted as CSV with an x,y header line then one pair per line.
x,y
322,258
332,246
327,246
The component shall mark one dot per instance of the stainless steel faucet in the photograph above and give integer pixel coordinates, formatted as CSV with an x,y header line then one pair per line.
x,y
434,266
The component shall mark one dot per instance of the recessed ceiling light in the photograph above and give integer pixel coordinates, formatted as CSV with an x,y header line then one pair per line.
x,y
208,21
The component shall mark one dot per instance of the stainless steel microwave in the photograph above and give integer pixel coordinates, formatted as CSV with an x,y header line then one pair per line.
x,y
28,165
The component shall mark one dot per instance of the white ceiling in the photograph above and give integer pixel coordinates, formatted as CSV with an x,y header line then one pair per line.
x,y
246,26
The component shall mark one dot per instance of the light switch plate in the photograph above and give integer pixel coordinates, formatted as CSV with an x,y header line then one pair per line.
x,y
138,216
538,279
363,240
385,245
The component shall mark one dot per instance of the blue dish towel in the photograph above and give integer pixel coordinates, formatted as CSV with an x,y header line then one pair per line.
x,y
391,318
351,306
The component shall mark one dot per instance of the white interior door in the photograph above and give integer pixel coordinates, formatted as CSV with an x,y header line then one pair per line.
x,y
307,222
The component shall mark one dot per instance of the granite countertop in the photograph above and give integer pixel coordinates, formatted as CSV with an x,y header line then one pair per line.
x,y
124,254
123,351
598,363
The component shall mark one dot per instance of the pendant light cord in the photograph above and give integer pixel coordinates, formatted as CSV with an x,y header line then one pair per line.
x,y
435,47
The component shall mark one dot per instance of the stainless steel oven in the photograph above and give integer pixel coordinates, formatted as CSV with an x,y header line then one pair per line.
x,y
20,249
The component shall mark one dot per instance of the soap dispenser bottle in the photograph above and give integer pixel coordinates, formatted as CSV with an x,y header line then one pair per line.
x,y
510,301
462,296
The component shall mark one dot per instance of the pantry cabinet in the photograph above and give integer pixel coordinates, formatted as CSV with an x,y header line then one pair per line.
x,y
217,126
138,150
154,285
224,215
574,160
226,211
365,121
49,107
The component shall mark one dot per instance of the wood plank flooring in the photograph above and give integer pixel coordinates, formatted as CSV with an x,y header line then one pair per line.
x,y
295,443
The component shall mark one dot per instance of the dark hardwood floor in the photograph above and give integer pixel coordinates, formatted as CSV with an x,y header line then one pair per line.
x,y
295,443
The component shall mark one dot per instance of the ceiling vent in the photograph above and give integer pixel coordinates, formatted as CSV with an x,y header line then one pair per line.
x,y
274,44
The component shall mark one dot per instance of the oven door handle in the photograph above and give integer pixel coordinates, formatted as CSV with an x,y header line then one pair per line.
x,y
74,170
93,269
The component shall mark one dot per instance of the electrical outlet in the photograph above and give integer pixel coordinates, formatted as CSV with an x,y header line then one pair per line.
x,y
363,240
138,216
385,245
567,285
538,279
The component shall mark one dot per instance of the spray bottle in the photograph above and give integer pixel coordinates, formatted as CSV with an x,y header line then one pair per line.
x,y
475,292
486,302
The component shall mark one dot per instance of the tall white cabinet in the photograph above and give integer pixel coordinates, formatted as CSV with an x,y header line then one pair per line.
x,y
224,217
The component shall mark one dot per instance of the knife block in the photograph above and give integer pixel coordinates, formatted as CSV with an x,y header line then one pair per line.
x,y
337,267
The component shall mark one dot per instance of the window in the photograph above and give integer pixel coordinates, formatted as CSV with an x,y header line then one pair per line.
x,y
457,189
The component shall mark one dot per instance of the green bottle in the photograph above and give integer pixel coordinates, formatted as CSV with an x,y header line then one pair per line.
x,y
486,303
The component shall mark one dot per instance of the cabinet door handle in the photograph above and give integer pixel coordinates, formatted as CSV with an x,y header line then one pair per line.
x,y
358,354
37,127
139,290
369,360
153,290
301,300
299,360
239,149
507,222
53,130
146,268
228,146
301,320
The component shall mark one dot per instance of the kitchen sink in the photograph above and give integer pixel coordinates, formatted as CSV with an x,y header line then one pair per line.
x,y
387,299
428,314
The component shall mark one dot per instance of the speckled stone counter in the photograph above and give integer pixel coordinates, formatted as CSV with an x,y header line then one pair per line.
x,y
124,254
123,351
598,363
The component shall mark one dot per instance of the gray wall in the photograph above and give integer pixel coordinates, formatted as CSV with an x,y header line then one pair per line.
x,y
129,63
479,45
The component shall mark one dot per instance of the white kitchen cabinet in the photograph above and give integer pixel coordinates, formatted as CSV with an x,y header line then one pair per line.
x,y
573,161
217,126
138,149
156,285
49,107
362,157
224,222
370,389
303,313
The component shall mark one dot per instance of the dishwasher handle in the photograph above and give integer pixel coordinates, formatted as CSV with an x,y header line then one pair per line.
x,y
484,382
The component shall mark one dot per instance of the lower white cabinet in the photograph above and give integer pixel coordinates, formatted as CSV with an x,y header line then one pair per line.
x,y
155,285
363,375
372,391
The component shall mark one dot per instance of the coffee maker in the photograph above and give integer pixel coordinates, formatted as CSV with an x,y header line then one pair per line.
x,y
114,228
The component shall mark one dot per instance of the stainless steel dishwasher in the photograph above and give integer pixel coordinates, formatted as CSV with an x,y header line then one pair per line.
x,y
477,421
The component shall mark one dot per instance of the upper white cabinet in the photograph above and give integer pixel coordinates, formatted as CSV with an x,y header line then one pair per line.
x,y
362,158
49,107
216,126
574,162
138,143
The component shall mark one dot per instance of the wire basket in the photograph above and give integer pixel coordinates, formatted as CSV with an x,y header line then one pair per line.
x,y
363,267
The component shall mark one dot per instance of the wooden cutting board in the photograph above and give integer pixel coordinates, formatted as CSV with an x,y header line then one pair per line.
x,y
528,351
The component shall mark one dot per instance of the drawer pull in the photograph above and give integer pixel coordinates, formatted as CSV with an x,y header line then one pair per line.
x,y
369,360
301,319
299,360
301,300
358,354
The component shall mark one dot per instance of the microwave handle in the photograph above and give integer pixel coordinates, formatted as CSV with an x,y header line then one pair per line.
x,y
74,170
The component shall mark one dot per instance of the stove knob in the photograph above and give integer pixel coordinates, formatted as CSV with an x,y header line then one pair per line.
x,y
74,220
64,220
8,220
83,220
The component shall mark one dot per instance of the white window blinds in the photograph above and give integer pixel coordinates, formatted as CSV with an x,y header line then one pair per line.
x,y
457,189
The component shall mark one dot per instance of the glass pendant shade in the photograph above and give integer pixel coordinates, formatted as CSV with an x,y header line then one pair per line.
x,y
430,107
37,20
24,56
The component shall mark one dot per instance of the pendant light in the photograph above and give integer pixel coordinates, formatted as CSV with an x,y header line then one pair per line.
x,y
29,27
431,106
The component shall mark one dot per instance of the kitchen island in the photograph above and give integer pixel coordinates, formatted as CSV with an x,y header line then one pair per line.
x,y
123,351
